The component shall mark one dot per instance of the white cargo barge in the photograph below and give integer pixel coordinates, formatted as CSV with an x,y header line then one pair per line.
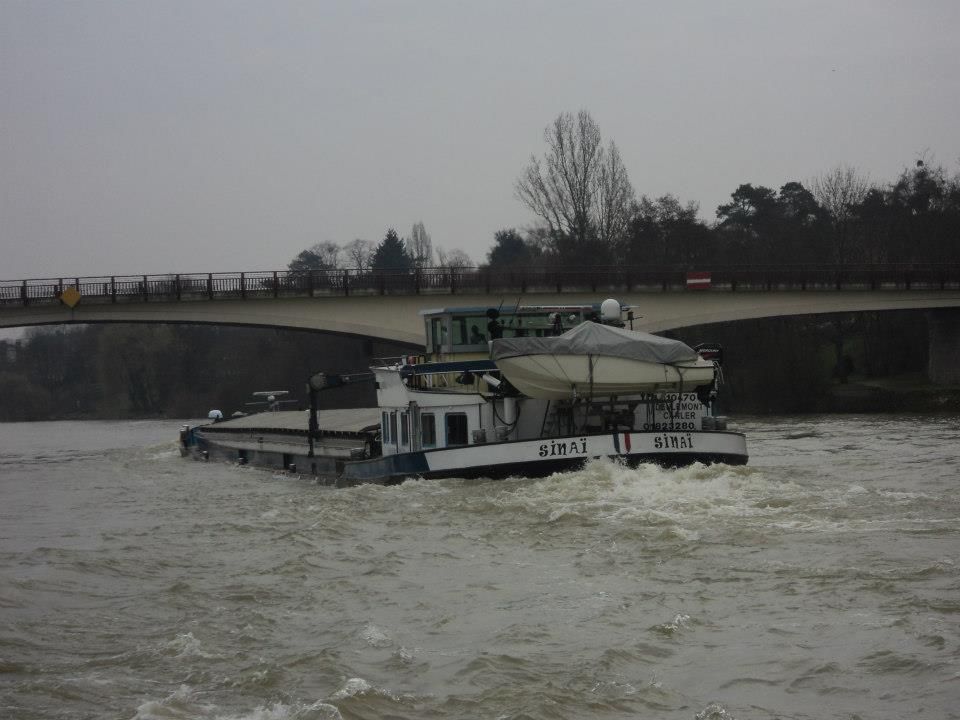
x,y
500,393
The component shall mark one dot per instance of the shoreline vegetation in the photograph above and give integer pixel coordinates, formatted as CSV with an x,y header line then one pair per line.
x,y
587,214
869,362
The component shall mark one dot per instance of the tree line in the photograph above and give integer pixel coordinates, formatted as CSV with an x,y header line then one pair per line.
x,y
391,253
587,214
147,370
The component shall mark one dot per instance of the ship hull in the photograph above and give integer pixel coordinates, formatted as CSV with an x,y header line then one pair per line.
x,y
523,458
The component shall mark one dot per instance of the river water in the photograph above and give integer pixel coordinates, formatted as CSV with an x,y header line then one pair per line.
x,y
820,581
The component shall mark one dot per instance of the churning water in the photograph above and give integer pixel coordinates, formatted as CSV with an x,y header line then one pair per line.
x,y
820,581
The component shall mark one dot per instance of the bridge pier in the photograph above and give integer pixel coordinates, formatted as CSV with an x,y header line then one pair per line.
x,y
943,327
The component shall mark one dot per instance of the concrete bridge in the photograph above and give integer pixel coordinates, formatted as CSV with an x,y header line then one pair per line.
x,y
386,305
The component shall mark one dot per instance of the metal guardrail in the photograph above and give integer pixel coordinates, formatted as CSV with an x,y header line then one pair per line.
x,y
448,281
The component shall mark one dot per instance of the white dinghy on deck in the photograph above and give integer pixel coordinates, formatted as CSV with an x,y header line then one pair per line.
x,y
593,359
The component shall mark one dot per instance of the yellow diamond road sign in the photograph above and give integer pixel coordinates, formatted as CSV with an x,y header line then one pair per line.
x,y
70,297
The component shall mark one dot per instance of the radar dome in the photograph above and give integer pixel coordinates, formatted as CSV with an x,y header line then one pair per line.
x,y
610,309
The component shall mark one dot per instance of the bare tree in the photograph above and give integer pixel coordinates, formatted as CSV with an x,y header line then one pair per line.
x,y
359,253
329,253
322,256
838,192
614,197
420,246
457,259
580,189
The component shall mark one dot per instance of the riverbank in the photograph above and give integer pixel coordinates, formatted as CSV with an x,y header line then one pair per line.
x,y
905,393
772,366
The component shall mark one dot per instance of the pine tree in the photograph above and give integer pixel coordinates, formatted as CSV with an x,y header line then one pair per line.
x,y
391,254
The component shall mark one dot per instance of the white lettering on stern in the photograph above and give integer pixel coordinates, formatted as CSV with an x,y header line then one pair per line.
x,y
564,448
673,441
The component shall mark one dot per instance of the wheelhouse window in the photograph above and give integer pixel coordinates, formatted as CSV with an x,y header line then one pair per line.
x,y
438,334
428,430
470,330
456,429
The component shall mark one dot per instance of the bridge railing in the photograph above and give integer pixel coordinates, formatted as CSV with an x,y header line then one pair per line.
x,y
601,279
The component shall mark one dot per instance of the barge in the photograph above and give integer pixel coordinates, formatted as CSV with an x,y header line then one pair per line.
x,y
499,392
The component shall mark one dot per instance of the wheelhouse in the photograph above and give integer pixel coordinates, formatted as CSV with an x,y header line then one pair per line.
x,y
465,332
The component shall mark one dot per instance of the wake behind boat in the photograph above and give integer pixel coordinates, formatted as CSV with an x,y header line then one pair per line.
x,y
521,391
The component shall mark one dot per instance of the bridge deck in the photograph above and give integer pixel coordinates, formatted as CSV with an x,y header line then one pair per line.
x,y
387,305
344,283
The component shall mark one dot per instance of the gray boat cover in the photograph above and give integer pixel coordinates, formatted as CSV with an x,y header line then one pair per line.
x,y
589,338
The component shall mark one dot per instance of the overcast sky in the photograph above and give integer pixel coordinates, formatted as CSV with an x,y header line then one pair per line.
x,y
202,136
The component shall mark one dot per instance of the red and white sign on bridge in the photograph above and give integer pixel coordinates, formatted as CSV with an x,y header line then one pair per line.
x,y
698,281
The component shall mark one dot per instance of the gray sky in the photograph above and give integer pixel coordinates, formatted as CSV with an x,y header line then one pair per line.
x,y
202,136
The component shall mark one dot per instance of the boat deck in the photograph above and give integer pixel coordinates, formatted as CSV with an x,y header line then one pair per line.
x,y
349,420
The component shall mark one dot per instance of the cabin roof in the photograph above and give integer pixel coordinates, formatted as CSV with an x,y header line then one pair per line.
x,y
505,309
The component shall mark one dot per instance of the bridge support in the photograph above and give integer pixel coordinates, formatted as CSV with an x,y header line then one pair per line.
x,y
944,346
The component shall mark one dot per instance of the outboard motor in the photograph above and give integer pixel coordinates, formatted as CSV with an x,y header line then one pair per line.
x,y
710,351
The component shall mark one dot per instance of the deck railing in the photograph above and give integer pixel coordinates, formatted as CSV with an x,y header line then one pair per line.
x,y
445,281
